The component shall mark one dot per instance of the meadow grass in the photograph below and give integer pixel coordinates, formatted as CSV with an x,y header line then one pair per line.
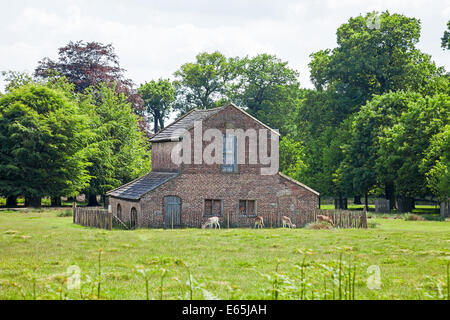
x,y
37,247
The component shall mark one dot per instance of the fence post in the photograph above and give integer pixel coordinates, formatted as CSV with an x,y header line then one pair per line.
x,y
364,222
74,209
109,217
228,219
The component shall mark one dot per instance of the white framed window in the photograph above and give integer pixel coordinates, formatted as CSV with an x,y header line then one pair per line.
x,y
229,153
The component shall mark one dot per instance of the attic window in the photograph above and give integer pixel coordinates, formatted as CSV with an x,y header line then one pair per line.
x,y
229,153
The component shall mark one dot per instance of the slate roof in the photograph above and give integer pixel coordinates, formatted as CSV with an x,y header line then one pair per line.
x,y
135,189
299,183
185,122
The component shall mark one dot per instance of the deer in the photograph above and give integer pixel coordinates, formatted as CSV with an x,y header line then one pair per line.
x,y
213,221
287,222
259,222
325,219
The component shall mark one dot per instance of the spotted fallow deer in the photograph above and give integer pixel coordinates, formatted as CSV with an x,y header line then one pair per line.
x,y
286,221
325,219
213,221
259,222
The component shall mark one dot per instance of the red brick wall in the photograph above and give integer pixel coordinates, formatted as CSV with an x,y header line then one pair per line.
x,y
292,200
126,209
229,117
161,156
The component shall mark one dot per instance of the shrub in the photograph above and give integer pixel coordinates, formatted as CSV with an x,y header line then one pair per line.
x,y
372,225
319,226
413,217
65,213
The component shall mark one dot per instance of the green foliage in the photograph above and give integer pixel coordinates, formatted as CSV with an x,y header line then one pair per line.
x,y
65,213
42,139
403,145
15,79
118,150
267,88
361,146
203,83
158,97
292,157
437,161
264,85
445,40
370,60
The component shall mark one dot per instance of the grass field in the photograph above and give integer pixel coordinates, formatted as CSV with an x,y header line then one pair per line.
x,y
38,250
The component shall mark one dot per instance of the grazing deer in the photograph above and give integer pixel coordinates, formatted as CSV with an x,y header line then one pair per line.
x,y
259,222
287,222
325,219
213,221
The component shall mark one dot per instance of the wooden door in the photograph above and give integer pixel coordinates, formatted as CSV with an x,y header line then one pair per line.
x,y
133,218
172,212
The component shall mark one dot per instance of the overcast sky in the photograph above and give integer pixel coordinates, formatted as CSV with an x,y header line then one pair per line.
x,y
153,38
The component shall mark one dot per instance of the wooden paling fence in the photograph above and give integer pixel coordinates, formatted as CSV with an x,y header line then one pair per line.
x,y
232,219
345,218
92,217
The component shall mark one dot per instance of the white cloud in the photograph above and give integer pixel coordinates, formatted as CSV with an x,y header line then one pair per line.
x,y
153,39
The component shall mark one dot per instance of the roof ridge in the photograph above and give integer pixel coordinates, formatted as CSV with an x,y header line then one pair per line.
x,y
298,182
177,120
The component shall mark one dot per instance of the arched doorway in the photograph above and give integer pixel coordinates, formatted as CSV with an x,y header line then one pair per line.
x,y
172,212
133,218
119,212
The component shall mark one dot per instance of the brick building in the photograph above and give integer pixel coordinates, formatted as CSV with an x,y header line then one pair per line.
x,y
186,194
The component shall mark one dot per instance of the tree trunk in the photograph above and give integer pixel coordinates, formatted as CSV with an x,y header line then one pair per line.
x,y
357,200
92,200
56,201
33,201
319,202
366,202
11,201
340,203
390,194
155,124
105,201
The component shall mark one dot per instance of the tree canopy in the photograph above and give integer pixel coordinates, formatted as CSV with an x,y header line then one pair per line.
x,y
42,139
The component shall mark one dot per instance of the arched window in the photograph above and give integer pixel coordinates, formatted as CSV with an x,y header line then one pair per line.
x,y
119,211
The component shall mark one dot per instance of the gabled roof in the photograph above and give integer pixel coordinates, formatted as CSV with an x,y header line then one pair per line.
x,y
135,189
187,122
298,183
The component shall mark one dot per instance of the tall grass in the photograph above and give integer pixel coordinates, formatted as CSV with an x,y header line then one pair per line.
x,y
307,280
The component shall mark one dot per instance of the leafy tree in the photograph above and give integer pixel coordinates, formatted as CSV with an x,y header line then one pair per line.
x,y
42,140
267,88
158,97
370,60
292,157
445,40
84,65
203,83
16,79
88,65
118,152
436,163
404,144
